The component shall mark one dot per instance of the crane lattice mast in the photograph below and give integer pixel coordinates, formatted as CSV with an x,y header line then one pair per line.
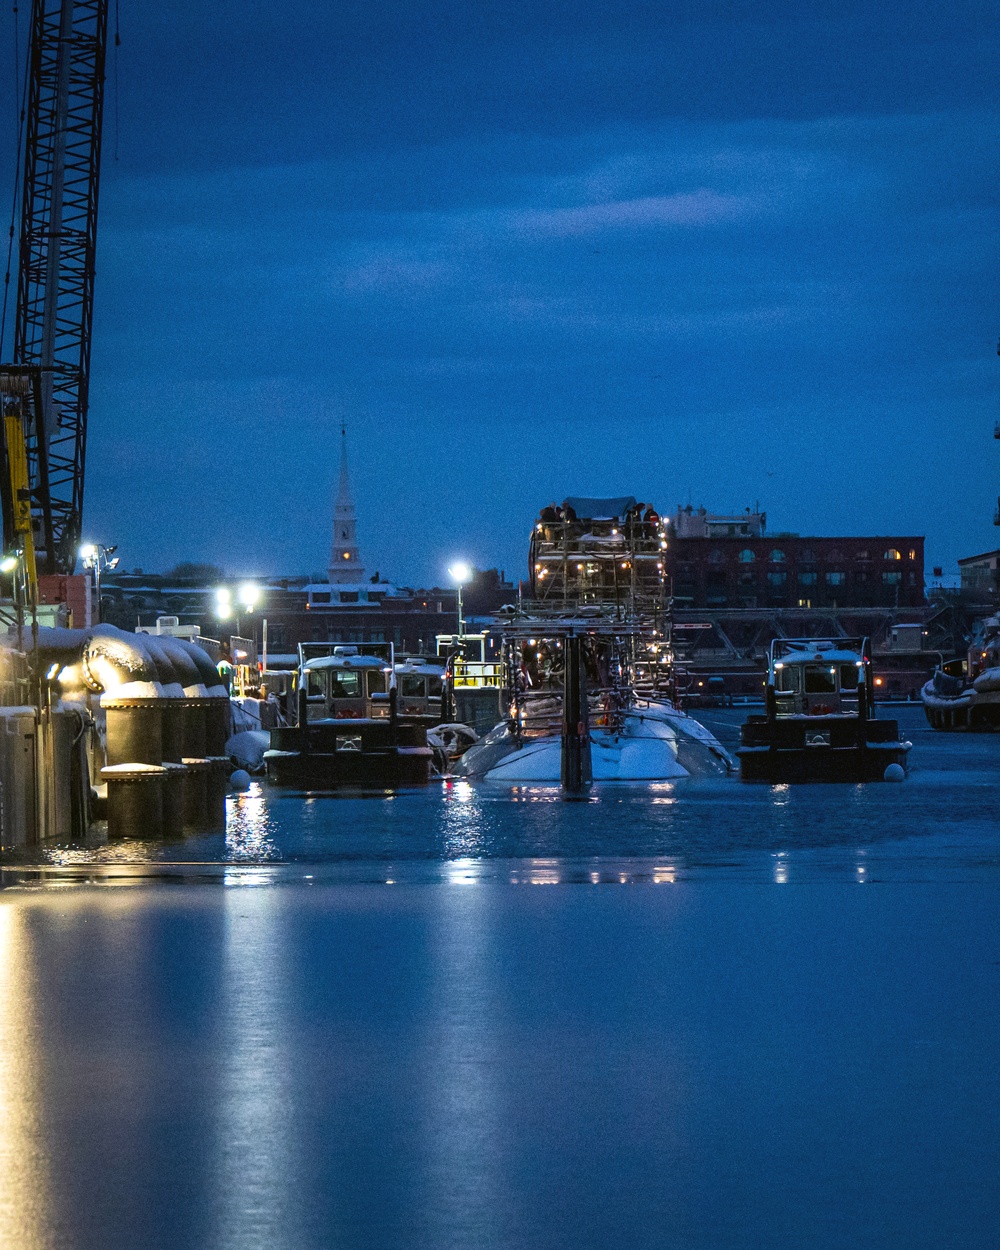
x,y
58,235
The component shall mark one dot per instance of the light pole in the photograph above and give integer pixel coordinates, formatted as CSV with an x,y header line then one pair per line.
x,y
249,596
460,573
96,556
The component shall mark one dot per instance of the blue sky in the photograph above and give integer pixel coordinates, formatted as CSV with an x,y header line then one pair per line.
x,y
712,252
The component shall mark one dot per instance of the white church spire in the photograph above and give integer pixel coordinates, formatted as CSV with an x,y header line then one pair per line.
x,y
345,559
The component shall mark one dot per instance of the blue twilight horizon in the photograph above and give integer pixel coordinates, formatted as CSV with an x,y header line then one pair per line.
x,y
717,252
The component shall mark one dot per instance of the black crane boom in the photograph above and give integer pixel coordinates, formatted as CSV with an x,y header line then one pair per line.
x,y
58,237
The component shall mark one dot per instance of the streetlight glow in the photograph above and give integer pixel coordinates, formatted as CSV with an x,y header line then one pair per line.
x,y
8,564
249,595
460,573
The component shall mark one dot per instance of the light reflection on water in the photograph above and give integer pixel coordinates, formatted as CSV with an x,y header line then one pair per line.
x,y
253,1160
249,827
24,1174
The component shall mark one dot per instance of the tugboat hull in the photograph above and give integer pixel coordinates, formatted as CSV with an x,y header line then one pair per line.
x,y
325,755
818,749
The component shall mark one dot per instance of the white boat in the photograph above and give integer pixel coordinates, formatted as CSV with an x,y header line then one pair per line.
x,y
965,692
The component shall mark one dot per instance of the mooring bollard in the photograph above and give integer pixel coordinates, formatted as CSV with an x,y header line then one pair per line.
x,y
135,800
135,730
217,789
174,783
196,814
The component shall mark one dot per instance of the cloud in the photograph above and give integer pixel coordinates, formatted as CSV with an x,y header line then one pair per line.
x,y
639,308
693,208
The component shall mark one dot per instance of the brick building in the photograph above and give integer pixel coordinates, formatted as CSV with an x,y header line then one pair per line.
x,y
731,562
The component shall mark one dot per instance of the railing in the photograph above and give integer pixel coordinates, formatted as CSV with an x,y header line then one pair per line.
x,y
477,673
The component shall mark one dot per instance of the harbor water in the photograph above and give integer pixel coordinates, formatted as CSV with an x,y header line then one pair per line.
x,y
738,1017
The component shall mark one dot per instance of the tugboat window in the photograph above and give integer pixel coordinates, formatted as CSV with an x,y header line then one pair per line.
x,y
820,680
787,679
315,684
349,742
849,677
345,685
376,682
411,687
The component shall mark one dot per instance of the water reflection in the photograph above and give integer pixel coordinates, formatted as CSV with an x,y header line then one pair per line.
x,y
254,1161
463,1112
249,827
24,1174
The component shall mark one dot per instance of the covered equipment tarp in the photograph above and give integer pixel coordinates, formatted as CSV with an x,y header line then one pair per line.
x,y
601,509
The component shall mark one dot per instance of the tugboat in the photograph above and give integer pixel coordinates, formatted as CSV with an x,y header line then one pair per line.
x,y
349,730
585,674
820,718
965,693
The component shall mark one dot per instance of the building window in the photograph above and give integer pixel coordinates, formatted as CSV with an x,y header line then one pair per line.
x,y
715,556
747,556
747,578
805,603
349,596
913,554
836,579
321,596
807,579
808,556
893,554
777,557
891,579
776,579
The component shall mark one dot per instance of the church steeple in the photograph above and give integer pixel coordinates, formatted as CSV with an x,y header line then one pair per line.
x,y
345,559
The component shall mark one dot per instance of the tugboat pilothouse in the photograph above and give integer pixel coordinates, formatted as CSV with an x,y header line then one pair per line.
x,y
820,717
350,731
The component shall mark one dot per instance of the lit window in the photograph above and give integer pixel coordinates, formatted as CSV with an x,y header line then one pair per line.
x,y
777,557
893,554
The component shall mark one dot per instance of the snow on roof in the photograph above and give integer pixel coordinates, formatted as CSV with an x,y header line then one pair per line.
x,y
347,661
